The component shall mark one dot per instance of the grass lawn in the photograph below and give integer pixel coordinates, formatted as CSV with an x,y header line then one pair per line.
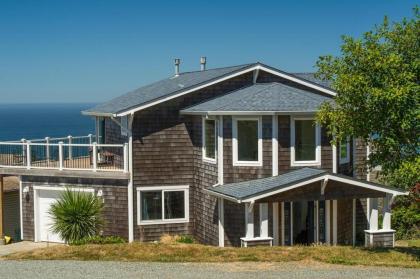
x,y
408,256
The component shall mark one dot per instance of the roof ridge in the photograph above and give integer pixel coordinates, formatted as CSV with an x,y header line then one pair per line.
x,y
219,68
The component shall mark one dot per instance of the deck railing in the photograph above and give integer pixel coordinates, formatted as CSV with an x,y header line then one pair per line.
x,y
64,156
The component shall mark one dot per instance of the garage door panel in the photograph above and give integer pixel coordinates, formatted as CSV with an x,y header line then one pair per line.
x,y
45,199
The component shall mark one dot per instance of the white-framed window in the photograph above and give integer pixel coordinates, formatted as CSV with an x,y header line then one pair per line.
x,y
124,125
247,141
305,142
163,205
209,139
345,151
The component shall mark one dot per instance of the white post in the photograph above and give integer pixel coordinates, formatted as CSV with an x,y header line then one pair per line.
x,y
316,213
47,148
249,220
95,156
291,223
70,139
263,219
276,223
90,138
354,222
220,150
60,155
327,222
28,154
221,218
23,150
386,224
334,212
373,214
334,161
275,147
126,163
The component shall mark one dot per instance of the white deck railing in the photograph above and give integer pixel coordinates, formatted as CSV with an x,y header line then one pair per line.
x,y
64,156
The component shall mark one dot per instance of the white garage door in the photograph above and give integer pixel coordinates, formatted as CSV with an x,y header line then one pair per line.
x,y
45,199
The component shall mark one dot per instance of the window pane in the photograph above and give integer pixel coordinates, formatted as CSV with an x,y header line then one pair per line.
x,y
174,205
210,139
343,150
305,144
151,205
247,140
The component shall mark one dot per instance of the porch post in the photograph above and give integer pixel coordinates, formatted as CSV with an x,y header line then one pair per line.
x,y
334,222
316,213
249,220
220,150
291,223
263,219
221,216
276,223
275,148
354,222
386,224
282,224
327,222
1,211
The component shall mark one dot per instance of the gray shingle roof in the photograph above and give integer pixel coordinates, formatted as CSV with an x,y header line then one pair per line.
x,y
246,189
263,97
311,77
162,88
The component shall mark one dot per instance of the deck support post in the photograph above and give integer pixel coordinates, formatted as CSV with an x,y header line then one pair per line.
x,y
1,211
60,155
221,217
282,224
276,223
126,166
334,221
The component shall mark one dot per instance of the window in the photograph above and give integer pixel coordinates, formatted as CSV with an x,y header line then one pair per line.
x,y
124,125
209,140
345,151
247,142
305,142
159,205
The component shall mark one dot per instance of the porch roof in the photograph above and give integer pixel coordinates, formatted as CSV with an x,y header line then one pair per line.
x,y
251,190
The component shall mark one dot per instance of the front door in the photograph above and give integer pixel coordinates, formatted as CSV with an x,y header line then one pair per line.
x,y
45,199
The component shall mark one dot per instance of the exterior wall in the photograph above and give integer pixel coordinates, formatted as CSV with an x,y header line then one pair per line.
x,y
167,151
113,133
12,214
361,221
360,171
345,221
114,194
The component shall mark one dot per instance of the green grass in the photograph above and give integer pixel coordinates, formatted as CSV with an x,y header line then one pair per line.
x,y
180,252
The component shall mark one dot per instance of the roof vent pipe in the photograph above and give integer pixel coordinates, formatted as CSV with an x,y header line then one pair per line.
x,y
177,62
203,61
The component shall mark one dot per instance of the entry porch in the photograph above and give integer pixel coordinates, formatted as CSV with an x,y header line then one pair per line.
x,y
306,206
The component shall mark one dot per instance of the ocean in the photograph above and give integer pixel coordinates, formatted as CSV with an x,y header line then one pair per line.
x,y
37,121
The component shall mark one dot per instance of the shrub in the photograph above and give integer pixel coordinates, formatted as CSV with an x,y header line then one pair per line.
x,y
406,218
185,239
76,215
97,239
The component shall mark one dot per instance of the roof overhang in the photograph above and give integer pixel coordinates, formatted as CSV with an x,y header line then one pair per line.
x,y
254,67
211,113
324,178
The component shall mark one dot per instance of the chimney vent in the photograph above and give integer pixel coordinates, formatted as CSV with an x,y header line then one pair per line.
x,y
203,61
177,62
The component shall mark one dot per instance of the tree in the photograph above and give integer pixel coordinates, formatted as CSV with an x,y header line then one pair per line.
x,y
377,80
76,215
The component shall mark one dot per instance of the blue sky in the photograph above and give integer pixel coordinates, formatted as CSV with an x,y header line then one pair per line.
x,y
91,51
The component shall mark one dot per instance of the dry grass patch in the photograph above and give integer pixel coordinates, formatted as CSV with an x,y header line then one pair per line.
x,y
179,252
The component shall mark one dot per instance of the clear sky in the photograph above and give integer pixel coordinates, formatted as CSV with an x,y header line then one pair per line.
x,y
91,51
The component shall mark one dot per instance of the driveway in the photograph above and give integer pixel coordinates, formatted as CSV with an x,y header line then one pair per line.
x,y
22,246
74,269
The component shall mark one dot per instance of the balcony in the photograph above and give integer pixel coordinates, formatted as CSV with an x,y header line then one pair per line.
x,y
64,154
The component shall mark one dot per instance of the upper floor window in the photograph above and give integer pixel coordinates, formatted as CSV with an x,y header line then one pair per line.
x,y
124,125
305,142
247,141
345,151
157,205
209,140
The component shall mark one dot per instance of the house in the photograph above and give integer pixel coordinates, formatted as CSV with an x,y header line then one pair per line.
x,y
229,155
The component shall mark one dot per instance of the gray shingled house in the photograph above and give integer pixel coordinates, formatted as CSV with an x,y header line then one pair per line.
x,y
230,155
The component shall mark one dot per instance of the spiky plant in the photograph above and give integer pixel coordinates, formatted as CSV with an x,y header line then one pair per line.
x,y
76,215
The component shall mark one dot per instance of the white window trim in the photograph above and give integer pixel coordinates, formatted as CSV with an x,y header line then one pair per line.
x,y
203,149
184,188
346,159
317,161
236,162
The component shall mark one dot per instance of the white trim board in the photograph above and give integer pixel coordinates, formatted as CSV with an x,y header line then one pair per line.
x,y
257,66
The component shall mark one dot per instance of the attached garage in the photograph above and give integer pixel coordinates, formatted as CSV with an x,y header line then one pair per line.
x,y
44,197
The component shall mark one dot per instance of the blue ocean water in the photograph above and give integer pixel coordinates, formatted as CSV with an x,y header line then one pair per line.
x,y
36,121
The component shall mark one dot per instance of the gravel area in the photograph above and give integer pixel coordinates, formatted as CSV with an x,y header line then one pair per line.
x,y
77,269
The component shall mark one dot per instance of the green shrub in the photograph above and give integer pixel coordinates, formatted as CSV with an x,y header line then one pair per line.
x,y
76,215
406,218
185,239
97,239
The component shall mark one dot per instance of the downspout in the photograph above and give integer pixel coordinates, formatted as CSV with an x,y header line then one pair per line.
x,y
130,183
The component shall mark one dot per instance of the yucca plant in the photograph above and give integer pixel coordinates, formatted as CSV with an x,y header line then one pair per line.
x,y
76,215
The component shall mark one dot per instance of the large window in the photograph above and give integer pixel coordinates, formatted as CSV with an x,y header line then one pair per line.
x,y
167,204
209,140
247,142
305,139
345,151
